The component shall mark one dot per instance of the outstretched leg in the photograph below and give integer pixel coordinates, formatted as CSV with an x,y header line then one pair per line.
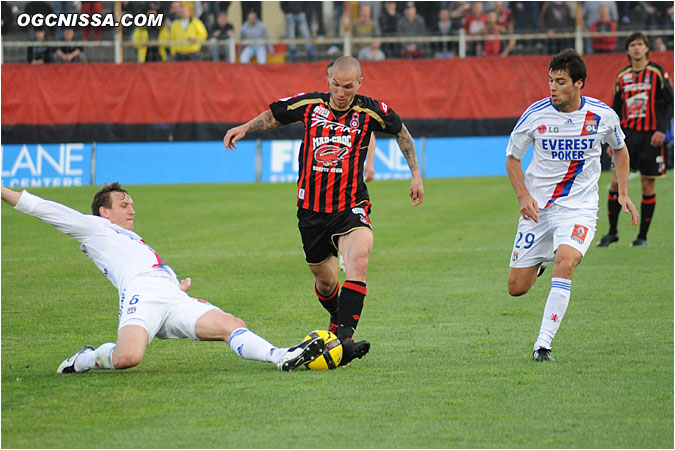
x,y
132,340
218,325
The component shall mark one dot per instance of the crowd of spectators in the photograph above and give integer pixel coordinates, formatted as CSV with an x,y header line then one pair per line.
x,y
484,23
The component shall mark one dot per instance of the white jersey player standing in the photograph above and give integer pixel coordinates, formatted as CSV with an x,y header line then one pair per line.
x,y
153,303
558,194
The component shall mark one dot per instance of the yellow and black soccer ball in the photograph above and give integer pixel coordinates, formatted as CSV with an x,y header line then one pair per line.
x,y
332,354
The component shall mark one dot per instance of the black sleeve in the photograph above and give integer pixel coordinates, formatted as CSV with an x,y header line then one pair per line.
x,y
29,55
663,103
393,122
384,118
616,103
292,109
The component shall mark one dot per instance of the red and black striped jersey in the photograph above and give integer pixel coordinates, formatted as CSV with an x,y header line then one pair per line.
x,y
644,100
334,147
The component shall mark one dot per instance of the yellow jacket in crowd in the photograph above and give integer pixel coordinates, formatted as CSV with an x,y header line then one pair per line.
x,y
195,30
141,36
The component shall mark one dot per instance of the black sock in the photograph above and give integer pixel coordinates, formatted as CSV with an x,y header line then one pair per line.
x,y
646,213
351,305
613,211
330,302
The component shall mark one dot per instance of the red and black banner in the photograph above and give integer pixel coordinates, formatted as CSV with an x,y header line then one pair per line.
x,y
201,100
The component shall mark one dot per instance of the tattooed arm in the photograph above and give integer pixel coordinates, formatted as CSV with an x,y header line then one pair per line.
x,y
264,122
407,146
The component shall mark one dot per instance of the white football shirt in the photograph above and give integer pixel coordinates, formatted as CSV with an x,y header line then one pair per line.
x,y
565,166
120,254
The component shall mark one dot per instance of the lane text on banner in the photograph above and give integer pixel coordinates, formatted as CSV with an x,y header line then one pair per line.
x,y
42,165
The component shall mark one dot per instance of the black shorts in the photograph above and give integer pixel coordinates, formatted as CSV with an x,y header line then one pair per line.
x,y
650,161
320,231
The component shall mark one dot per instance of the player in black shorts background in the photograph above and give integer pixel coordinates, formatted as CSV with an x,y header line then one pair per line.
x,y
643,99
333,203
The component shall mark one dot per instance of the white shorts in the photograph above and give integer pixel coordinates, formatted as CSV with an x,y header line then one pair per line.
x,y
536,243
158,305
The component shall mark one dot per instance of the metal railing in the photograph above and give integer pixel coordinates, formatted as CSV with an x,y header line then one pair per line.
x,y
345,44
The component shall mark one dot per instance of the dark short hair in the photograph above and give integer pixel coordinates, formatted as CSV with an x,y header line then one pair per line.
x,y
634,37
102,197
571,62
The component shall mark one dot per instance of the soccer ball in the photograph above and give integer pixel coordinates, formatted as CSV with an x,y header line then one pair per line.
x,y
332,354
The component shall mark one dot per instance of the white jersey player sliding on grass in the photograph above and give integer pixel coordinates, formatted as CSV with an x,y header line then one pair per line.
x,y
153,303
558,195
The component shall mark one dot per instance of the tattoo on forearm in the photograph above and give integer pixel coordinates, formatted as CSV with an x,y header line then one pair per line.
x,y
264,122
407,146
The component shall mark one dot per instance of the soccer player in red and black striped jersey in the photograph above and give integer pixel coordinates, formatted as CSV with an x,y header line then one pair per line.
x,y
333,203
643,99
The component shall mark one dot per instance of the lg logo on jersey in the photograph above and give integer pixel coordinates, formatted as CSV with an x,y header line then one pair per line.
x,y
543,129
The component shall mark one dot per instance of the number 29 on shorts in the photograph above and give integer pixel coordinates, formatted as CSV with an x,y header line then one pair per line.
x,y
527,238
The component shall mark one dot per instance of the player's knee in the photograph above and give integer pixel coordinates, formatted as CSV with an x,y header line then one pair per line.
x,y
517,289
238,323
126,359
326,285
518,286
359,261
228,324
648,186
565,267
217,325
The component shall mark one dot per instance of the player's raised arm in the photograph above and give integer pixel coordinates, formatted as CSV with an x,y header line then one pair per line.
x,y
264,122
407,146
63,218
10,196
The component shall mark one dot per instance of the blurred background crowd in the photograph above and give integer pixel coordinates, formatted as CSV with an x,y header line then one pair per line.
x,y
259,32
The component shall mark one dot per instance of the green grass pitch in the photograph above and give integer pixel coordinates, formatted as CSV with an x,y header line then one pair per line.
x,y
450,364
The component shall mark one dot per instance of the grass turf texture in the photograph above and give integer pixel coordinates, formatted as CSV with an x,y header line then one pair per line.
x,y
450,364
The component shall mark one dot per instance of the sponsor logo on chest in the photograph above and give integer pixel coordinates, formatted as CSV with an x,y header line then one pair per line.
x,y
571,149
330,151
343,140
634,87
318,121
320,111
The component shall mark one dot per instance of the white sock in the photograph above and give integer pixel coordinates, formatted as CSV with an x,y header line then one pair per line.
x,y
249,345
101,358
556,305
